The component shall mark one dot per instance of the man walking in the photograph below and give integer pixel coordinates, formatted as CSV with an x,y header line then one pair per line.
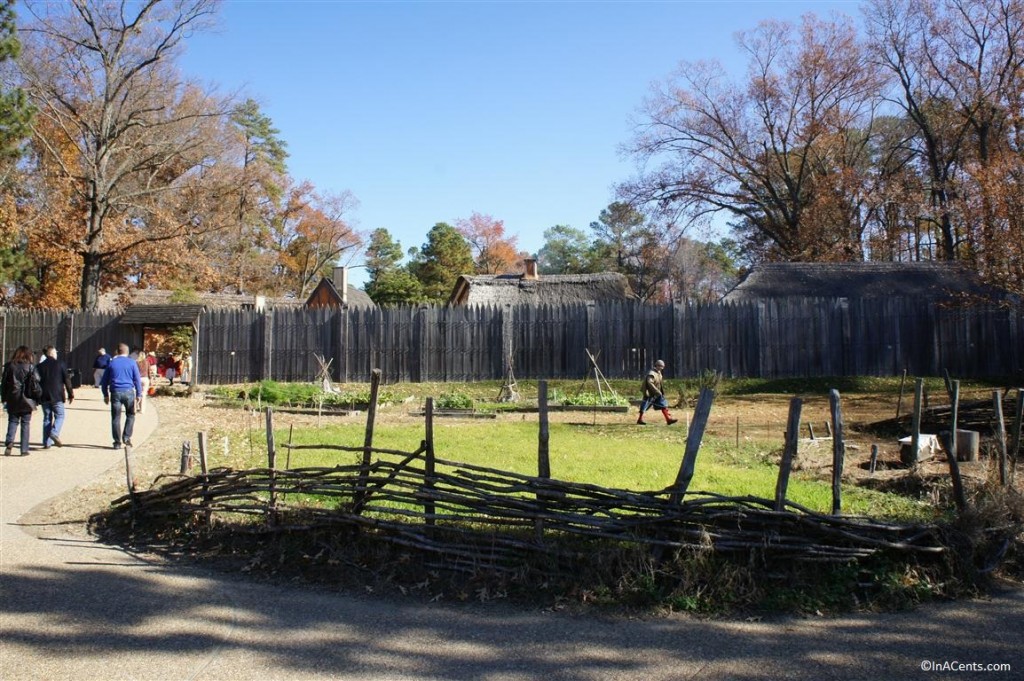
x,y
122,388
654,395
99,366
57,388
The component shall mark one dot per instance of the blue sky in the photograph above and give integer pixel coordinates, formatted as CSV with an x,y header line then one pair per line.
x,y
430,111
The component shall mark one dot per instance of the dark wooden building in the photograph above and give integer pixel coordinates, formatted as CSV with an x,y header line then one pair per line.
x,y
530,288
927,282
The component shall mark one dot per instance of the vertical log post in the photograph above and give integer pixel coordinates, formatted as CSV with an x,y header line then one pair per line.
x,y
1017,422
810,430
186,457
737,432
838,450
288,456
789,453
429,463
954,416
371,418
271,457
874,459
129,470
915,426
954,467
205,470
997,405
899,402
543,448
693,440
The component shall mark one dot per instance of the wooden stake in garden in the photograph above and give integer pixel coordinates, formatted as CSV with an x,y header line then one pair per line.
x,y
954,467
186,457
789,453
205,470
997,405
271,457
129,469
899,402
693,439
1017,422
543,447
915,426
429,463
371,417
838,450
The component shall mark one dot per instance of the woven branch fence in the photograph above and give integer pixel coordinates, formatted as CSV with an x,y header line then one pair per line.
x,y
473,519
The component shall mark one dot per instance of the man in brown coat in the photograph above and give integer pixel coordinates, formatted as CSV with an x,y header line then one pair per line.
x,y
654,395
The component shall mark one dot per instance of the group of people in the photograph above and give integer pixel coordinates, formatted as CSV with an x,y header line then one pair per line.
x,y
26,384
151,368
124,378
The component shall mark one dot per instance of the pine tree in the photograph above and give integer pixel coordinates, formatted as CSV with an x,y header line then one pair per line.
x,y
444,257
15,111
390,283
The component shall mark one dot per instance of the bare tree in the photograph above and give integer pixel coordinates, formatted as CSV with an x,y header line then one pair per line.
x,y
133,138
769,149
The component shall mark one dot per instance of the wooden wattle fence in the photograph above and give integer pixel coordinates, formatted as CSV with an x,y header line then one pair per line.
x,y
471,518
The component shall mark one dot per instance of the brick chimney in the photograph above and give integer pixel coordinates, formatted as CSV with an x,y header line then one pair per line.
x,y
339,277
531,268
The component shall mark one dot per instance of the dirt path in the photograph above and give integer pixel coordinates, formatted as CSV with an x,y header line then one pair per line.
x,y
71,608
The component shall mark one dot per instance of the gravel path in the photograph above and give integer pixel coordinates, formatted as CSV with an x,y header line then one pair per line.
x,y
71,608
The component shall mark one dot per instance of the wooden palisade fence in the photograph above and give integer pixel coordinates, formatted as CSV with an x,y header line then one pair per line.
x,y
769,339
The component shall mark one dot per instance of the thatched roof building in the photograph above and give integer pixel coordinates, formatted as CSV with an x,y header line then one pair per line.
x,y
924,281
120,301
530,288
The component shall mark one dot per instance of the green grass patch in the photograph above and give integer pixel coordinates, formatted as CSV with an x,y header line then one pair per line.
x,y
613,455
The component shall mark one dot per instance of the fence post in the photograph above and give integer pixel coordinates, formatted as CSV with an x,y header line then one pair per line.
x,y
129,469
997,405
371,417
543,453
789,453
899,401
186,457
1018,418
429,463
271,461
954,467
204,467
693,439
838,450
915,432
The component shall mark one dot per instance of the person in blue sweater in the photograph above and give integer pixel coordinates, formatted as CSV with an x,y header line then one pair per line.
x,y
122,389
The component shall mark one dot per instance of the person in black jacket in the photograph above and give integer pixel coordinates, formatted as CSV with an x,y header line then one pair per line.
x,y
57,388
19,390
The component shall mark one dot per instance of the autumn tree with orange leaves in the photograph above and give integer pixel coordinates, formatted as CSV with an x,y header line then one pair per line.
x,y
493,252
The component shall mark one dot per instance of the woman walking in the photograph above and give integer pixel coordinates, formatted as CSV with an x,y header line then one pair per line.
x,y
20,391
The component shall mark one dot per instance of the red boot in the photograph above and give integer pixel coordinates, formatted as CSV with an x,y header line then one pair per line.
x,y
668,417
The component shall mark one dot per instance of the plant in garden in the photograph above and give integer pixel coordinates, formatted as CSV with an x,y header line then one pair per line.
x,y
589,399
454,400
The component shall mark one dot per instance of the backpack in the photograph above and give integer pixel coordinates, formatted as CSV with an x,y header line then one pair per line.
x,y
33,389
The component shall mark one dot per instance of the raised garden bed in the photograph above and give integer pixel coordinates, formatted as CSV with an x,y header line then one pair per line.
x,y
458,413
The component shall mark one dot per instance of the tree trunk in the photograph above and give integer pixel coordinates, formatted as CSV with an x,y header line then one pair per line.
x,y
90,291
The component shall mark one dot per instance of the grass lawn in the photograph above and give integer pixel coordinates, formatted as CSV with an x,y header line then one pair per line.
x,y
610,455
